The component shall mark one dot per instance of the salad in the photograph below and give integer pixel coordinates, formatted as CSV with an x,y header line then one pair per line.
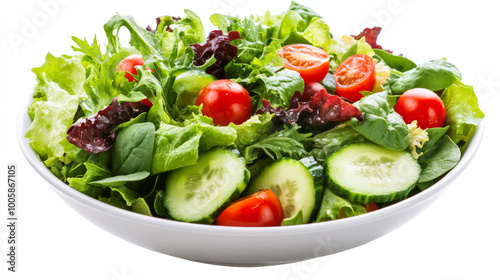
x,y
266,121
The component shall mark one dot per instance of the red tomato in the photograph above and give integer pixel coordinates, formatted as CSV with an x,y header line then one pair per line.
x,y
371,207
422,105
312,63
355,74
128,64
225,102
261,209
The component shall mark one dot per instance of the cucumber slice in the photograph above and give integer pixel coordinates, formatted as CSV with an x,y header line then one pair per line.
x,y
292,182
198,193
367,172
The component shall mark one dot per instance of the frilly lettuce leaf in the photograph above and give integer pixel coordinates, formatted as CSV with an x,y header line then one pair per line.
x,y
52,118
463,113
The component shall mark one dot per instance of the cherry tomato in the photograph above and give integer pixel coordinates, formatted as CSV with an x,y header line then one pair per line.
x,y
128,65
422,105
225,102
260,209
312,63
371,207
355,74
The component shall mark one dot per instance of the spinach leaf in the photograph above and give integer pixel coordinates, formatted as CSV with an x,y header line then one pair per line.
x,y
433,75
120,180
463,112
443,156
397,62
94,172
434,135
133,149
382,124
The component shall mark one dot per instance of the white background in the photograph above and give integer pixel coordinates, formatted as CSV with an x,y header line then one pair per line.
x,y
457,238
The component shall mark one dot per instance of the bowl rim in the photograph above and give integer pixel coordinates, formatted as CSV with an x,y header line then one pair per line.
x,y
24,122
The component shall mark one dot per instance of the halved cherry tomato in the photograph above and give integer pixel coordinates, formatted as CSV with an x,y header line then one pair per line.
x,y
225,102
422,105
355,74
312,63
128,65
260,209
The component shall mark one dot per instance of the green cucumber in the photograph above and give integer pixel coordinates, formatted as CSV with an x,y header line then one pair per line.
x,y
198,193
188,85
367,172
292,183
317,171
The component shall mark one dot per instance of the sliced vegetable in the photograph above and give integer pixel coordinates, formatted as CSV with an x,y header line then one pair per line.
x,y
354,75
200,192
260,209
292,182
312,63
366,172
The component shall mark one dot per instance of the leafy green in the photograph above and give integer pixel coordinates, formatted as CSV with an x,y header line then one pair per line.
x,y
94,172
463,112
442,157
433,75
434,135
253,35
133,149
120,180
276,87
66,71
253,129
287,142
360,46
335,207
398,62
53,115
175,147
211,135
382,124
103,83
190,26
144,41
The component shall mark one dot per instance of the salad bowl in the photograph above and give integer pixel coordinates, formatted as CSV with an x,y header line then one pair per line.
x,y
238,246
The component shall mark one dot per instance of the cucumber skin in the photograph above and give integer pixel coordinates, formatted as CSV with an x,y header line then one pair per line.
x,y
363,198
318,173
210,219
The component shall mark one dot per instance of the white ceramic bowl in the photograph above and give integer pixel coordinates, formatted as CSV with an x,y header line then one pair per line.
x,y
244,246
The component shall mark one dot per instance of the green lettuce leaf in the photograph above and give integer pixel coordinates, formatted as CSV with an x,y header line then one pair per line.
x,y
335,207
52,118
175,147
253,129
463,113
